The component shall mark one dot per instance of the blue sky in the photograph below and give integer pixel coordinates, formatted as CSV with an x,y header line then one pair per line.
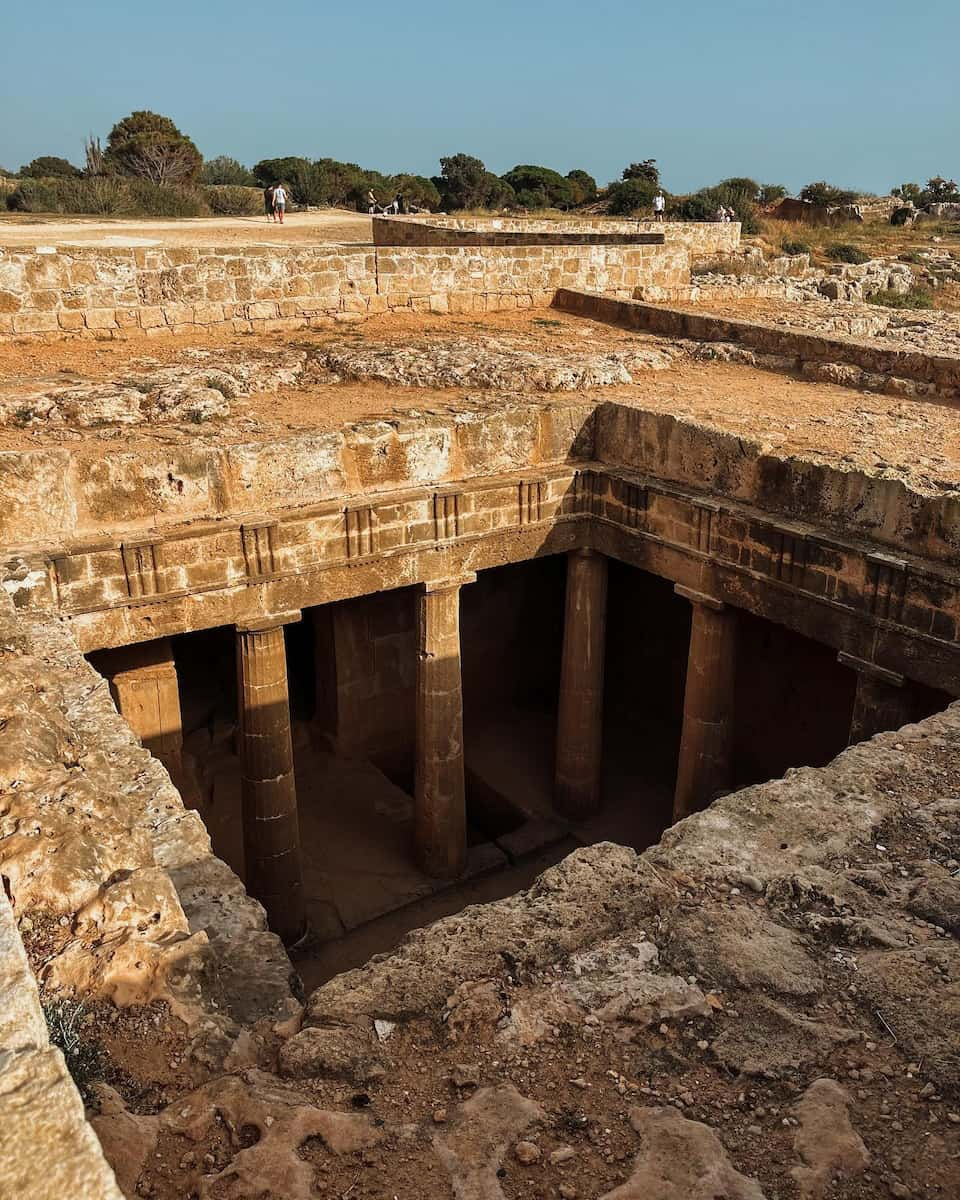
x,y
864,93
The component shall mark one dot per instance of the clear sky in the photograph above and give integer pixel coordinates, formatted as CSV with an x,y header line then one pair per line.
x,y
864,93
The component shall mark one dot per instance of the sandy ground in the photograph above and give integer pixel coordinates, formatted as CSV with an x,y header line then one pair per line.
x,y
332,226
917,441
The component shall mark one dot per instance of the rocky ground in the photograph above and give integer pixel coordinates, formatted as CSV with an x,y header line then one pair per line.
x,y
765,1005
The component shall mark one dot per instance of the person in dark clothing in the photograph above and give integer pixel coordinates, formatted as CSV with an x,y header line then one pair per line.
x,y
268,201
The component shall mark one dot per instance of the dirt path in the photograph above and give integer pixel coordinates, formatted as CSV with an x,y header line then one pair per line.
x,y
331,225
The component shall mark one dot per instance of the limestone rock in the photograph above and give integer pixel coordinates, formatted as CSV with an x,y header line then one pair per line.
x,y
474,1145
127,1138
681,1159
329,1051
829,1146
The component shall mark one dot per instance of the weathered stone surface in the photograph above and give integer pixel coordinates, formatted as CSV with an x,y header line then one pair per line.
x,y
681,1160
477,1141
829,1146
336,1052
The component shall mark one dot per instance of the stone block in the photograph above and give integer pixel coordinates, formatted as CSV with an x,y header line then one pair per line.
x,y
71,321
207,314
150,317
35,322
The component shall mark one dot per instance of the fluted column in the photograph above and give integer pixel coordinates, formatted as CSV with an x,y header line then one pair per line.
x,y
882,701
580,713
706,744
440,807
271,835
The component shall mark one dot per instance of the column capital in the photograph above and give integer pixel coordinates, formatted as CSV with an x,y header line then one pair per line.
x,y
702,598
265,623
450,583
863,666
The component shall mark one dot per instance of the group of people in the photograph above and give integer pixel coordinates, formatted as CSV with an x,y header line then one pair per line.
x,y
725,215
399,204
275,202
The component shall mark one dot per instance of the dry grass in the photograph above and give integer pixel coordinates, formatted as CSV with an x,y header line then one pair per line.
x,y
878,238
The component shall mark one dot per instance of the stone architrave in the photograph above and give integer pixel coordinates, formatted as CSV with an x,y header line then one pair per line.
x,y
706,743
883,701
440,799
580,714
271,833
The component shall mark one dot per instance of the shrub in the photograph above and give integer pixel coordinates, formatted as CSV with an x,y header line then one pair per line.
x,y
83,1055
106,195
47,167
33,195
227,172
463,181
912,256
847,253
771,193
794,247
629,195
826,194
227,200
703,205
917,297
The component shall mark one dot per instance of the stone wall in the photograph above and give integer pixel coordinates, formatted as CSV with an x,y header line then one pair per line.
x,y
126,292
850,559
834,359
701,238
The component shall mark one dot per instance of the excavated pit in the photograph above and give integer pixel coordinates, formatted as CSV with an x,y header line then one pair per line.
x,y
323,485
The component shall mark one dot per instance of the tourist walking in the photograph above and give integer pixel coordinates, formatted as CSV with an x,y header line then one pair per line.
x,y
268,201
659,204
279,203
371,202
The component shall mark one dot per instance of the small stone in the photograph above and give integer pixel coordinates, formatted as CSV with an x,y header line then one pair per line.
x,y
466,1075
953,1118
439,1116
702,1045
568,1191
562,1154
927,1091
527,1152
580,1083
755,1130
898,1190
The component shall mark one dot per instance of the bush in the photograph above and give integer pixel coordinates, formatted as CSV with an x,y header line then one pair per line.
x,y
703,205
794,247
226,171
826,194
106,195
583,185
226,200
629,195
845,252
913,256
83,1054
48,166
146,145
917,297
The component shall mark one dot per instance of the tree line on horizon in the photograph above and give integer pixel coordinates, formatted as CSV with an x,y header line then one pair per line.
x,y
149,164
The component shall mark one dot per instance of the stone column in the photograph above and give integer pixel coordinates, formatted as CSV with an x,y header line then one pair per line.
x,y
882,700
440,808
580,715
706,744
143,683
271,835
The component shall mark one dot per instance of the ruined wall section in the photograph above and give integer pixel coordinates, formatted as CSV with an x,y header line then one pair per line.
x,y
704,239
129,292
837,358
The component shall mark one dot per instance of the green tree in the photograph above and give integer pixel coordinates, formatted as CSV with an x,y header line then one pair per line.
x,y
418,190
228,172
941,191
539,187
583,187
463,182
48,166
826,194
647,170
150,146
771,193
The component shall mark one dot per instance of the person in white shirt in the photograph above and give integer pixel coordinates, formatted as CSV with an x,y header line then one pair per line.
x,y
659,204
279,202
